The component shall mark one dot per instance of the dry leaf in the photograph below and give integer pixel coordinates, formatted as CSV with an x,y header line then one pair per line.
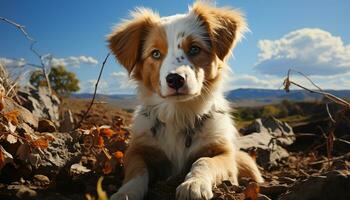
x,y
118,155
5,157
107,132
121,132
252,191
101,142
42,143
12,128
1,102
11,139
12,116
107,168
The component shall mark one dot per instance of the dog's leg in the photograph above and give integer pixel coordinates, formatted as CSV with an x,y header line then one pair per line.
x,y
206,172
247,167
136,178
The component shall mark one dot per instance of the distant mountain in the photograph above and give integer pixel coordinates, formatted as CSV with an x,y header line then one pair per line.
x,y
242,97
273,96
103,96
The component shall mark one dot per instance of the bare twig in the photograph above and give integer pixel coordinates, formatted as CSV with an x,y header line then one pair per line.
x,y
346,156
287,83
33,42
94,96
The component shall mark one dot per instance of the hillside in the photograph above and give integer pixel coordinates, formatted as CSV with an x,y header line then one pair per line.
x,y
241,97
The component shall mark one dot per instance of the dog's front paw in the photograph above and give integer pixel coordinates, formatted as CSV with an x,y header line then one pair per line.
x,y
194,188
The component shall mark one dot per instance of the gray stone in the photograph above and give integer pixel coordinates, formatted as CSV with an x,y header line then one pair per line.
x,y
46,126
67,122
41,180
267,136
25,192
25,116
41,103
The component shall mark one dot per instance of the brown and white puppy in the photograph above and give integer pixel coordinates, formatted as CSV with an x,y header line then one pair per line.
x,y
183,126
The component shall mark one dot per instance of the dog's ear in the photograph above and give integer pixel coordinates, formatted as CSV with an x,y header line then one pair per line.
x,y
225,26
127,38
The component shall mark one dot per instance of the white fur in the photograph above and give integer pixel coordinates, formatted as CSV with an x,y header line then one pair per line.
x,y
177,28
178,113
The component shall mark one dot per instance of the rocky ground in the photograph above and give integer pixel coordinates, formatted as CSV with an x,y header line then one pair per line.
x,y
44,154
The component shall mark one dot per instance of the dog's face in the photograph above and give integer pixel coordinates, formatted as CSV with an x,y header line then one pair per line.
x,y
177,57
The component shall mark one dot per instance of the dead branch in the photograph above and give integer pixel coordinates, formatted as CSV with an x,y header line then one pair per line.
x,y
94,96
346,156
287,83
32,41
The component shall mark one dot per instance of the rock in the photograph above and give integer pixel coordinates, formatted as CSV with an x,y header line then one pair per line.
x,y
41,103
61,150
25,116
46,126
24,192
41,180
332,185
67,122
267,136
77,170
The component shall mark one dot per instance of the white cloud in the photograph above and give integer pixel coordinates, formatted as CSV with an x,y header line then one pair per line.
x,y
71,61
12,63
74,61
311,51
236,80
116,83
122,80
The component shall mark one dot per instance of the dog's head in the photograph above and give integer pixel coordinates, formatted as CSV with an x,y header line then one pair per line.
x,y
180,56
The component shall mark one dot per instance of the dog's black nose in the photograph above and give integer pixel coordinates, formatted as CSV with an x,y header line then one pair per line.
x,y
175,81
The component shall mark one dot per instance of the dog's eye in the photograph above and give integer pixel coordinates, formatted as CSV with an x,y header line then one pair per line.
x,y
194,50
156,54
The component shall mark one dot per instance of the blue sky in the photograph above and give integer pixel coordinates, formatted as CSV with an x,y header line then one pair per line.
x,y
312,36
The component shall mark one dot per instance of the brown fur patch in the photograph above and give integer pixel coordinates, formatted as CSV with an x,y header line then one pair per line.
x,y
225,26
149,67
142,155
126,40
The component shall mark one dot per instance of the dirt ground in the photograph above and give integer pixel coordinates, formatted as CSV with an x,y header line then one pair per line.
x,y
306,174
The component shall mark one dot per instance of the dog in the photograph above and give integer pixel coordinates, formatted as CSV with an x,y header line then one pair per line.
x,y
183,127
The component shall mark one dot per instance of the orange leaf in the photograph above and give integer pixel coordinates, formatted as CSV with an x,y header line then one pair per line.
x,y
120,132
107,132
101,142
2,159
118,155
42,143
107,168
12,116
252,191
1,102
